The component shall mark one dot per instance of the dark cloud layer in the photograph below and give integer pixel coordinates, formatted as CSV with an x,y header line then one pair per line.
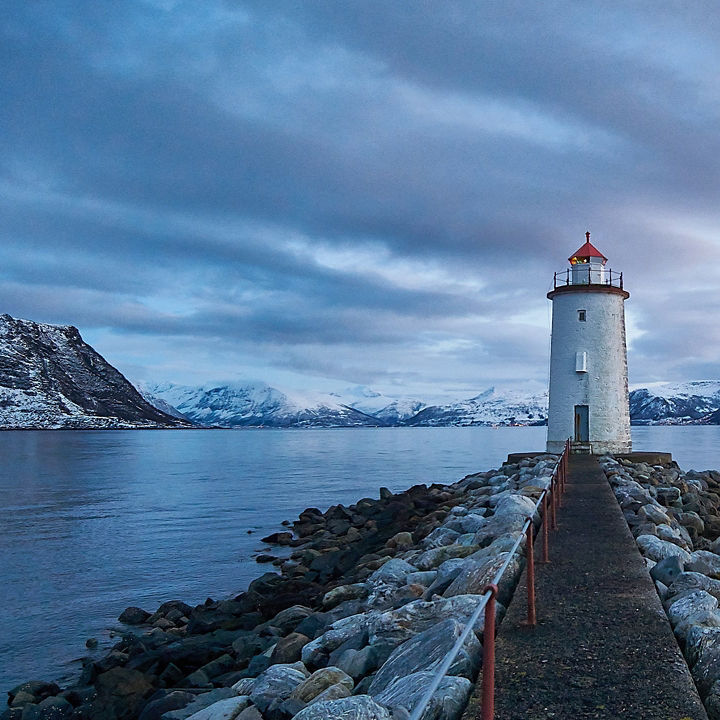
x,y
361,191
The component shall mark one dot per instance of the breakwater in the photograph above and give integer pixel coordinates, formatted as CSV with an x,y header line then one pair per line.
x,y
364,608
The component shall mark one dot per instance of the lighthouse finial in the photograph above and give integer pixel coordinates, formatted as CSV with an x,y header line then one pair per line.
x,y
587,236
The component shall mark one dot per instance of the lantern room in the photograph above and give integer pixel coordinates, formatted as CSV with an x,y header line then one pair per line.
x,y
588,265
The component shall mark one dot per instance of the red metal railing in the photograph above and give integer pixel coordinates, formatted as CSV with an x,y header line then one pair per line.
x,y
549,500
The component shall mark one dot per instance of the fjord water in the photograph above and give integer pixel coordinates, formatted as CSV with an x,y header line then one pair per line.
x,y
95,521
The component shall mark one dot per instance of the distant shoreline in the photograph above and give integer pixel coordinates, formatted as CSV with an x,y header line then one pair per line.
x,y
333,427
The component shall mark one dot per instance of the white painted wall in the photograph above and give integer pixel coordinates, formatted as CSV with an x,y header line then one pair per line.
x,y
604,387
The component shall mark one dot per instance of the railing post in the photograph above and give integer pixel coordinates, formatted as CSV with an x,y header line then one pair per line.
x,y
553,503
567,458
545,523
488,668
558,485
530,552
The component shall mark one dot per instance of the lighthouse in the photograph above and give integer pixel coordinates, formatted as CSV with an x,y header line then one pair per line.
x,y
588,357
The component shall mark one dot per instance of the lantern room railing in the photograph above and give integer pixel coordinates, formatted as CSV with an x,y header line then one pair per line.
x,y
587,275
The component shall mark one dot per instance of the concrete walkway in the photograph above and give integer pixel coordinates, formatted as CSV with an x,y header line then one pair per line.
x,y
603,647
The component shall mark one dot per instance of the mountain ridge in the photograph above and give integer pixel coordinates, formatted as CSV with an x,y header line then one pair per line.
x,y
691,403
255,404
51,378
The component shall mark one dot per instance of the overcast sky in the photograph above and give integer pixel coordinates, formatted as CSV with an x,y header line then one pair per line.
x,y
320,194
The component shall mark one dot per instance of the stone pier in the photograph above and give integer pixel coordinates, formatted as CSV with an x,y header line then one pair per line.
x,y
603,647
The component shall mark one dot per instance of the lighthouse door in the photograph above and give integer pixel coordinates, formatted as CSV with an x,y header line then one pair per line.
x,y
582,425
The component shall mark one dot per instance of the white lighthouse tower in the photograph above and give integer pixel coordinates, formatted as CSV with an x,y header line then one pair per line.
x,y
588,357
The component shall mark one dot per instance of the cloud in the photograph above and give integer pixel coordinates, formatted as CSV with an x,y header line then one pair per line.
x,y
366,192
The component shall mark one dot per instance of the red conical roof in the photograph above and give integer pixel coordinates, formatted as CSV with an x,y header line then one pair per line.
x,y
588,250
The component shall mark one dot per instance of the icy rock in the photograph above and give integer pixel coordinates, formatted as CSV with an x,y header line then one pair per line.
x,y
222,710
473,578
426,651
341,631
243,686
707,669
515,505
499,525
682,609
447,702
288,619
359,707
662,589
334,597
288,649
657,549
698,639
653,514
159,707
320,681
705,562
540,483
667,570
712,702
436,556
422,577
334,692
668,495
688,582
202,701
358,663
446,573
470,523
276,684
393,571
250,713
701,619
439,537
396,626
400,540
674,535
501,544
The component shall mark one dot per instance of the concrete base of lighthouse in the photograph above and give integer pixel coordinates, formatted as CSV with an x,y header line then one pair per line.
x,y
595,448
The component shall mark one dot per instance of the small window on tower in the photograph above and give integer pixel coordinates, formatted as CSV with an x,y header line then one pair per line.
x,y
581,315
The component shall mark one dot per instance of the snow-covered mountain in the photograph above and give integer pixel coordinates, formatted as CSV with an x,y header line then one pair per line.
x,y
389,410
689,403
489,408
51,378
256,404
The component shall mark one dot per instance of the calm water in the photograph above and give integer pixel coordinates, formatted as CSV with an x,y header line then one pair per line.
x,y
95,521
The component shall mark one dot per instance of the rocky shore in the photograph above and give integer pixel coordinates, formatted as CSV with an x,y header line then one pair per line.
x,y
363,610
675,519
